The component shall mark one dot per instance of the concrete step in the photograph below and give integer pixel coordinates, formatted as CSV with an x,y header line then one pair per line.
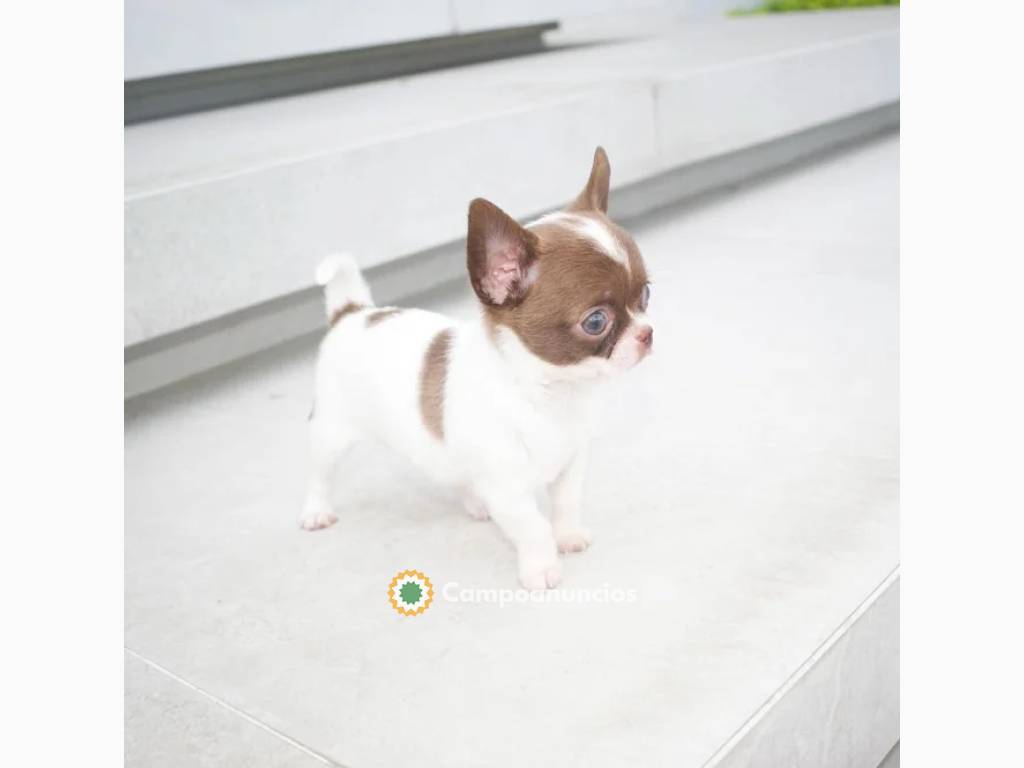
x,y
744,483
228,211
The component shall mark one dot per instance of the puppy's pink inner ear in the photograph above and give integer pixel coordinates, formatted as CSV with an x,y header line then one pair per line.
x,y
504,269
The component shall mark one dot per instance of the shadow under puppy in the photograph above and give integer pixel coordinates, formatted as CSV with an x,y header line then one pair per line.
x,y
502,407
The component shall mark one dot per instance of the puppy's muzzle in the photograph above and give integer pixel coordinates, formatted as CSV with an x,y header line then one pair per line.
x,y
645,336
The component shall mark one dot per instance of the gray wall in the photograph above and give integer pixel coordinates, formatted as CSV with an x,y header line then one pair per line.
x,y
164,36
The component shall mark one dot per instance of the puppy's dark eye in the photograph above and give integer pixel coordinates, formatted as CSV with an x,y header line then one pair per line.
x,y
595,322
645,296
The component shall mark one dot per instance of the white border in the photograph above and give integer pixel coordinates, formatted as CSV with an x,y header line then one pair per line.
x,y
61,549
962,382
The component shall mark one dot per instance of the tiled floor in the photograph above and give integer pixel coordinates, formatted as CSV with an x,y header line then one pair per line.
x,y
744,484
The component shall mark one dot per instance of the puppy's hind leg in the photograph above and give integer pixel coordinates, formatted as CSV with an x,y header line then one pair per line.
x,y
329,442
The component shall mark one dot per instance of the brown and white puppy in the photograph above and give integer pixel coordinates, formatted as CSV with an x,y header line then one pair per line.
x,y
500,407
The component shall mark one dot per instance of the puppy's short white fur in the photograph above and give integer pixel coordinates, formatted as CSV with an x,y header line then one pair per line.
x,y
502,407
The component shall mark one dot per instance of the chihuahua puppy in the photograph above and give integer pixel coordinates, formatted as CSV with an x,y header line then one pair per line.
x,y
500,408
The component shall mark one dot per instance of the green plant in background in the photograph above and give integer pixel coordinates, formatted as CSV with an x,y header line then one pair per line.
x,y
784,6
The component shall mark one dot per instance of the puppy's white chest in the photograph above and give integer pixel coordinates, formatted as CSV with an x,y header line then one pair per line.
x,y
550,438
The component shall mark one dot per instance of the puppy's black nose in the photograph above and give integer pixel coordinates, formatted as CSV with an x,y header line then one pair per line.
x,y
645,336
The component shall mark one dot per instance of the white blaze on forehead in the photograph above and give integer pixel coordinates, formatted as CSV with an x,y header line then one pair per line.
x,y
592,229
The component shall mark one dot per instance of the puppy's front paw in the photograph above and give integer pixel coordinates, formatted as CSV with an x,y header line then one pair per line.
x,y
540,575
314,520
573,539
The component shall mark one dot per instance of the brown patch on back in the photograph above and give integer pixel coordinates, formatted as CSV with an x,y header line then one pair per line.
x,y
432,380
380,315
575,276
348,309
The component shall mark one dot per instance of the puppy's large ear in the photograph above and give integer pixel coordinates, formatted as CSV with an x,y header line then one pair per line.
x,y
594,196
500,255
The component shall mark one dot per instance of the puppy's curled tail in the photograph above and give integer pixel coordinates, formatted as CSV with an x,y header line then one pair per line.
x,y
344,286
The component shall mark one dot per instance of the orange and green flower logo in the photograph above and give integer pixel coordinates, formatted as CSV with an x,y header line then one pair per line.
x,y
410,593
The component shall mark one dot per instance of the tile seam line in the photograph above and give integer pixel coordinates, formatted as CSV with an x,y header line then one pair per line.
x,y
587,90
235,710
810,663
